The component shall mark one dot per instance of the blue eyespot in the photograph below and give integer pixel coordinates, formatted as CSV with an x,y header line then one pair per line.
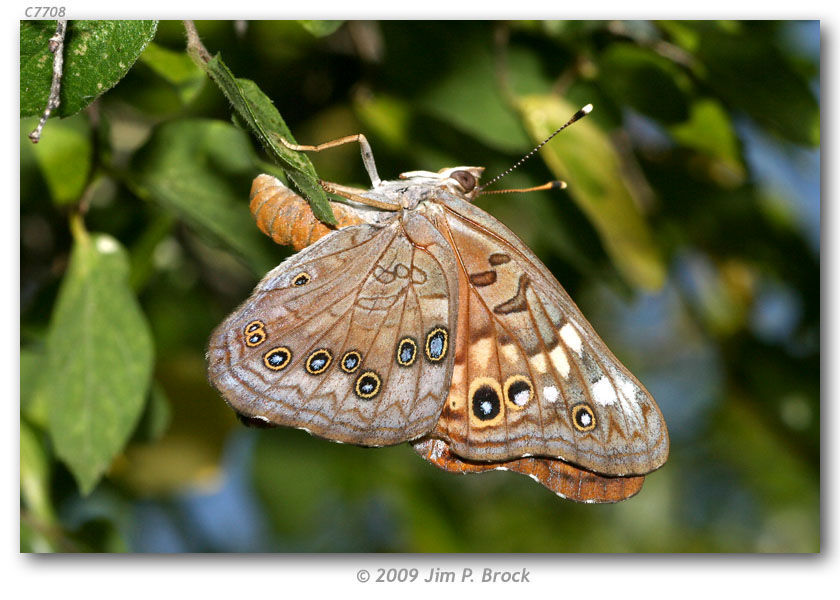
x,y
437,343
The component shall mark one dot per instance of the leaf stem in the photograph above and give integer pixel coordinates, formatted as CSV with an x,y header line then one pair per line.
x,y
195,48
77,227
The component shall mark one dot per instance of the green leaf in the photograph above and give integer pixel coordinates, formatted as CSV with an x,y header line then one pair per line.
x,y
65,156
320,28
34,474
584,157
709,131
464,97
303,172
97,54
176,68
32,404
99,359
35,471
257,110
201,170
738,64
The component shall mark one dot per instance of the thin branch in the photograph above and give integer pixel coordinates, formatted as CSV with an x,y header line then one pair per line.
x,y
56,46
194,46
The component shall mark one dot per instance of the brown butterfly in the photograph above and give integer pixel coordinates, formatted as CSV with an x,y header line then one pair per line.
x,y
423,319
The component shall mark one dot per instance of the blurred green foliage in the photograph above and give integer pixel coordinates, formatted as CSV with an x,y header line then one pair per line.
x,y
689,235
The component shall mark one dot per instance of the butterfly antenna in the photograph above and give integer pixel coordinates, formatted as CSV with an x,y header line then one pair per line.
x,y
551,185
578,115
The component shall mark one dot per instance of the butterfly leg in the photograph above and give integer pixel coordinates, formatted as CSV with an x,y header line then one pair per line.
x,y
367,154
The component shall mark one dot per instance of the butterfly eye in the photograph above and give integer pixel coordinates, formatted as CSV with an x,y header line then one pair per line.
x,y
465,179
302,279
583,417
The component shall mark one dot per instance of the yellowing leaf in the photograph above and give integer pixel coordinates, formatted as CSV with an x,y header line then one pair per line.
x,y
386,118
584,157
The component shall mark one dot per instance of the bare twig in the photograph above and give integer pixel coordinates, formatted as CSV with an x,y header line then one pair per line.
x,y
662,47
194,45
56,46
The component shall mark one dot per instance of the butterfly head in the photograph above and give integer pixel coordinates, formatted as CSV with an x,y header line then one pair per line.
x,y
461,181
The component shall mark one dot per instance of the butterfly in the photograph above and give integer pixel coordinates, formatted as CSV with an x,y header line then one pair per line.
x,y
423,319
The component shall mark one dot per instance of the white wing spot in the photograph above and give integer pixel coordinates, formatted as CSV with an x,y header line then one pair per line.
x,y
559,360
521,398
603,392
458,373
628,390
539,363
550,393
571,337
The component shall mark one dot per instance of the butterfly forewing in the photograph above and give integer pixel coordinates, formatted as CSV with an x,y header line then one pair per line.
x,y
349,339
531,376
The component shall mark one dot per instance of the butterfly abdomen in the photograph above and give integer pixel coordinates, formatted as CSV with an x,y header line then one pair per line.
x,y
286,217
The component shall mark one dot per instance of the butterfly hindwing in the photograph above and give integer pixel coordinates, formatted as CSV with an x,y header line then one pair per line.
x,y
560,477
531,376
349,339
